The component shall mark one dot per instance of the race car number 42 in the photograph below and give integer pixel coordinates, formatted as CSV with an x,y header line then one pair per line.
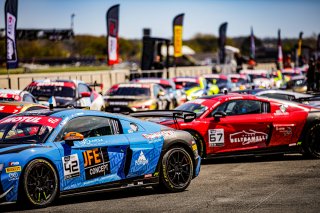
x,y
216,137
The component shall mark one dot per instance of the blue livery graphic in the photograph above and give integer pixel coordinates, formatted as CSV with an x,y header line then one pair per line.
x,y
45,154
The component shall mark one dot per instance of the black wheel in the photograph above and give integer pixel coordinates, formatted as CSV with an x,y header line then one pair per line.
x,y
176,170
39,184
200,143
311,145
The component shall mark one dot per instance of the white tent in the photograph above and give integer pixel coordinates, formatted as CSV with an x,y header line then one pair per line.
x,y
186,50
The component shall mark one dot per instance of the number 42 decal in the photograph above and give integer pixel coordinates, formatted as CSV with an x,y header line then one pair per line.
x,y
71,166
216,137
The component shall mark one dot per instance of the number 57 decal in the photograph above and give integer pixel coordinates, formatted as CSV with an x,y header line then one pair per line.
x,y
216,137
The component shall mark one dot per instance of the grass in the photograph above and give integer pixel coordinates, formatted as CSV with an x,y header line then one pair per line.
x,y
54,69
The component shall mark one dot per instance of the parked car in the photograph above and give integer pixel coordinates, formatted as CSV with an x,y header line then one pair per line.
x,y
131,97
49,154
175,96
194,87
8,108
16,95
237,125
65,93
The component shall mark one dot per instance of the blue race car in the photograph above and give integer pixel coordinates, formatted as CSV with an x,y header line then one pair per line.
x,y
48,154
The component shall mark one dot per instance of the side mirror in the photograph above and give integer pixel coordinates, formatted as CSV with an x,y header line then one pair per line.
x,y
219,115
85,94
70,137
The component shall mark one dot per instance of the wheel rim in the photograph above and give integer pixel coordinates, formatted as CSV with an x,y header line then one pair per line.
x,y
179,168
41,183
314,141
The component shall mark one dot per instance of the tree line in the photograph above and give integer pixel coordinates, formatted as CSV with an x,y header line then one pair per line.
x,y
130,49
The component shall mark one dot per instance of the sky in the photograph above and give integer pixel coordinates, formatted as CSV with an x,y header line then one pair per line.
x,y
201,16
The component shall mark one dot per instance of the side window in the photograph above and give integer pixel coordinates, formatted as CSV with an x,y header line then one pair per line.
x,y
83,88
156,90
243,107
91,126
28,98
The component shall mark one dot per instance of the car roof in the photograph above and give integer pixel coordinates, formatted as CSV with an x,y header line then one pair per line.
x,y
285,92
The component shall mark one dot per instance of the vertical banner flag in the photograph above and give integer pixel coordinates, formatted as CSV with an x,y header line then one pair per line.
x,y
299,44
222,41
318,43
112,17
252,45
11,11
177,35
280,55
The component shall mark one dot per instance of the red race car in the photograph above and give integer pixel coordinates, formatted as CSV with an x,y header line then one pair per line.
x,y
237,125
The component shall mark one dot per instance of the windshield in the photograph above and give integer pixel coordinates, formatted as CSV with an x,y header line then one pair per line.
x,y
188,85
26,129
193,107
131,91
4,114
48,91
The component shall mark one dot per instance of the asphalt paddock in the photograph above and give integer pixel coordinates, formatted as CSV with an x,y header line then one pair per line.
x,y
252,184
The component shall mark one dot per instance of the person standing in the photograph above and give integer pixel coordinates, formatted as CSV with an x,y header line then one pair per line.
x,y
311,74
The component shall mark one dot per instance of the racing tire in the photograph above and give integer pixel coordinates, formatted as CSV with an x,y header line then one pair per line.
x,y
176,170
200,143
39,186
311,145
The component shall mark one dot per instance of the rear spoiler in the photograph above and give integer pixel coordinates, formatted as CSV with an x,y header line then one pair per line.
x,y
187,116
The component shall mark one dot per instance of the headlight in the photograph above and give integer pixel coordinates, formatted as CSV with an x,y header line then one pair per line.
x,y
1,166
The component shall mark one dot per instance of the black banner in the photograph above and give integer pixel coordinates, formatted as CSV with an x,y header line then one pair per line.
x,y
222,41
318,43
177,35
112,18
11,11
280,55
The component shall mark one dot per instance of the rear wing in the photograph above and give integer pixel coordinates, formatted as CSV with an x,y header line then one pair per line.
x,y
187,116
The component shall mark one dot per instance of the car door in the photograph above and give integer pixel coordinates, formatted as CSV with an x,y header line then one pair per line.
x,y
145,148
98,158
246,124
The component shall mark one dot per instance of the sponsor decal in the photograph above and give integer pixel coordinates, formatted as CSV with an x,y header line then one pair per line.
x,y
71,166
186,80
148,176
194,147
13,176
134,128
55,84
88,141
47,121
118,103
96,163
14,163
247,137
135,85
13,169
284,130
216,137
142,160
282,110
158,135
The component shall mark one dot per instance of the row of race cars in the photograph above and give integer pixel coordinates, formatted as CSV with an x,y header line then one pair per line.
x,y
50,153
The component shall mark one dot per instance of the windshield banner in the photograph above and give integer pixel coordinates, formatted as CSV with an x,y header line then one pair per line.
x,y
45,121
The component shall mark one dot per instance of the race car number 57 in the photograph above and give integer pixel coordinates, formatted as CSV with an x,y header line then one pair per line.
x,y
216,137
